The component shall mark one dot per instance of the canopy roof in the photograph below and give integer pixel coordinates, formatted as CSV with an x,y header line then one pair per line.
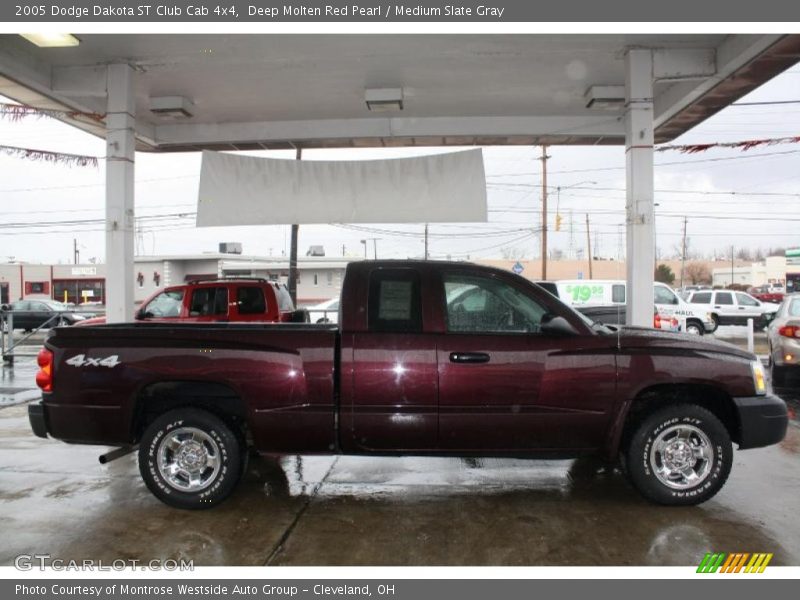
x,y
282,91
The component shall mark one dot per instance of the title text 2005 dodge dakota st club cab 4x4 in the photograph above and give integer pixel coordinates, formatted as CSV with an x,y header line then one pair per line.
x,y
429,358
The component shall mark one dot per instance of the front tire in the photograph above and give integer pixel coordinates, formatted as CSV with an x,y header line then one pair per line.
x,y
777,375
191,459
679,455
715,319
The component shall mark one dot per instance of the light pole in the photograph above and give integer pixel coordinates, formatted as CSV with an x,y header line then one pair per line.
x,y
365,248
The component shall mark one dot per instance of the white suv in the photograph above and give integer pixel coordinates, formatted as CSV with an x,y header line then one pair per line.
x,y
728,307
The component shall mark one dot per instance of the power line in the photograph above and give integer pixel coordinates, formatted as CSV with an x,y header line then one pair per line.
x,y
693,192
659,164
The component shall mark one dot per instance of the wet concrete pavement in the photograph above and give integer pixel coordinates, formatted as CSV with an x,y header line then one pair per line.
x,y
56,499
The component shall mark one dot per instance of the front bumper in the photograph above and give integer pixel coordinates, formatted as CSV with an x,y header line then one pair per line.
x,y
763,420
38,418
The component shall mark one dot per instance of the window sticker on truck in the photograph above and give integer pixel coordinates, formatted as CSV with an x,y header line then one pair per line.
x,y
80,360
584,293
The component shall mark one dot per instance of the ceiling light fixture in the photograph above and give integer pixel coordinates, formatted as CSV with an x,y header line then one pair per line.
x,y
51,40
384,99
605,97
175,107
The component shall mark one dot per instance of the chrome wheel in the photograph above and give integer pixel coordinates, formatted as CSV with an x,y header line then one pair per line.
x,y
188,459
682,456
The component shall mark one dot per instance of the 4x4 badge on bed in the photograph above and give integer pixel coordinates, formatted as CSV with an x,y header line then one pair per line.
x,y
80,360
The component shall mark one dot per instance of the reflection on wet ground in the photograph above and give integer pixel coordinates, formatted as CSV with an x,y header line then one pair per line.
x,y
300,510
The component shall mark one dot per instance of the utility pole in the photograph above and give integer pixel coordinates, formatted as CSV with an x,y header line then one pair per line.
x,y
375,248
589,245
293,250
426,241
75,252
731,266
544,211
683,251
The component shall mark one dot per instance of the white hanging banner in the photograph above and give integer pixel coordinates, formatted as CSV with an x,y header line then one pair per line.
x,y
247,190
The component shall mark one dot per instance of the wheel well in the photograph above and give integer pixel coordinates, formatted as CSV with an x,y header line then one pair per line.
x,y
713,399
219,399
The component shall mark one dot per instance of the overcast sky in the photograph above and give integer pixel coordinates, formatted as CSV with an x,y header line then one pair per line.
x,y
39,194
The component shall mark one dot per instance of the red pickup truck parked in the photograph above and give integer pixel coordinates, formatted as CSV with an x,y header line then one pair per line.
x,y
214,300
430,358
765,294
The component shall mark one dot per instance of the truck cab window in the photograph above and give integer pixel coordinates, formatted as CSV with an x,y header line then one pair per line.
x,y
209,301
394,303
251,300
476,304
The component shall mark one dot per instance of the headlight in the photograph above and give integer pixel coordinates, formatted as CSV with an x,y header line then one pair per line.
x,y
759,381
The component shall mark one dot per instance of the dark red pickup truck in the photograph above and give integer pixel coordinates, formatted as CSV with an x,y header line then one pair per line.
x,y
430,358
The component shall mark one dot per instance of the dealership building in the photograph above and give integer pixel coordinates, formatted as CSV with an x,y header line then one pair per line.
x,y
320,277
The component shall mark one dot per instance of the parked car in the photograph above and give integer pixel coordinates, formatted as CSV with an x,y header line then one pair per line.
x,y
324,312
32,314
783,336
615,315
592,292
415,367
766,293
729,307
226,299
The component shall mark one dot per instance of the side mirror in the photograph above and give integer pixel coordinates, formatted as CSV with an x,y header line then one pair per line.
x,y
554,325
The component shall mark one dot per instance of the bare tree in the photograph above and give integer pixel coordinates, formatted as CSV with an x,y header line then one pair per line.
x,y
744,254
697,273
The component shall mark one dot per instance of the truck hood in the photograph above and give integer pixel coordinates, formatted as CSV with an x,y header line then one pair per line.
x,y
644,337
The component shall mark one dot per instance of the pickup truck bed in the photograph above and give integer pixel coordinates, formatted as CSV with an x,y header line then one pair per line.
x,y
430,358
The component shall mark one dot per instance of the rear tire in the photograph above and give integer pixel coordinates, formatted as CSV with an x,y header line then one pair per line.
x,y
694,328
679,455
191,459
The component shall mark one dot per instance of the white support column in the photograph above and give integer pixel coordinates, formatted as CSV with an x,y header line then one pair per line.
x,y
639,195
120,147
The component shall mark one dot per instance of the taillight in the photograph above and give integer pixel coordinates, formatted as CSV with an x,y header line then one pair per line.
x,y
657,321
44,378
790,331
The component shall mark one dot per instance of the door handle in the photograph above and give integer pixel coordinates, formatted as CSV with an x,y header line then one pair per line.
x,y
469,357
